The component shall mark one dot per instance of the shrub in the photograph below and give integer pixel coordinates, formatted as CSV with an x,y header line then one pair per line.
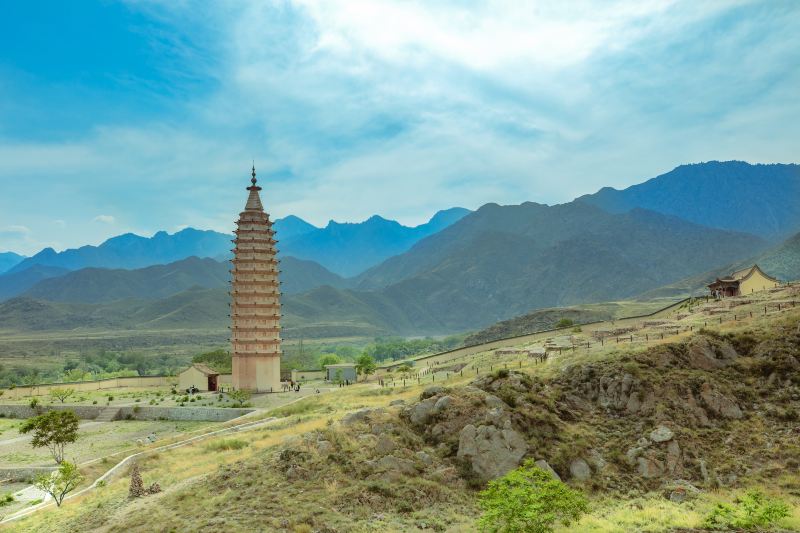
x,y
94,402
564,323
753,511
225,445
528,500
6,499
59,483
34,403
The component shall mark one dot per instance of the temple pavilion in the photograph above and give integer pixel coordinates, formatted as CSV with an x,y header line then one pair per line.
x,y
255,294
745,281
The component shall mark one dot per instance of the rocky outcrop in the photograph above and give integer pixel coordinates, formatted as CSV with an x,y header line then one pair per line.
x,y
705,353
718,403
491,451
579,470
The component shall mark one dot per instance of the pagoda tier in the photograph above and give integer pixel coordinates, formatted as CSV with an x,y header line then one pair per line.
x,y
255,294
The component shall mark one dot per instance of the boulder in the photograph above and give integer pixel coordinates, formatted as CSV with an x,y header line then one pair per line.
x,y
385,445
442,403
661,434
324,447
596,460
420,414
390,463
579,469
424,457
362,415
674,461
718,403
430,392
649,467
397,402
544,465
493,402
705,355
491,451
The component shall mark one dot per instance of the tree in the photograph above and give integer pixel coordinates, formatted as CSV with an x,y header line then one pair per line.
x,y
365,364
564,323
329,359
62,394
528,500
60,482
239,397
54,430
404,370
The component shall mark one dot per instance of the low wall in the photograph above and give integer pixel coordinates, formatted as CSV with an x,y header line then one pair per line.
x,y
212,414
26,473
86,386
306,375
84,412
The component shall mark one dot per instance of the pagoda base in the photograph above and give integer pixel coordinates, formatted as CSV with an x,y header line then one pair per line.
x,y
257,374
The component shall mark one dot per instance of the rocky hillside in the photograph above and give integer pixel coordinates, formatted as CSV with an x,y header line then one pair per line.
x,y
673,422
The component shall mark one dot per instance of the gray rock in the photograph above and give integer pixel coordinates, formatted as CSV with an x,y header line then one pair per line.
x,y
324,447
431,392
596,460
491,451
385,445
579,469
397,402
649,467
390,463
494,402
424,457
704,355
632,455
442,403
661,434
496,417
420,414
718,403
362,415
544,465
674,458
643,442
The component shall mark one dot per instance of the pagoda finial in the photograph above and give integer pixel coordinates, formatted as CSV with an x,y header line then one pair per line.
x,y
253,180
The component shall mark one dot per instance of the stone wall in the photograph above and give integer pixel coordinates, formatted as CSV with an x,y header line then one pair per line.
x,y
212,414
27,473
84,412
139,412
84,386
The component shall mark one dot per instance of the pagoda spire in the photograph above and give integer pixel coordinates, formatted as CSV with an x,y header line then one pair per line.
x,y
253,200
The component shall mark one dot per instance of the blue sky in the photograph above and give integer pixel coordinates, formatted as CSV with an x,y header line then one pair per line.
x,y
143,116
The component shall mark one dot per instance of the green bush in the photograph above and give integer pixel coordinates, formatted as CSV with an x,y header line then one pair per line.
x,y
225,445
528,500
6,499
564,323
753,511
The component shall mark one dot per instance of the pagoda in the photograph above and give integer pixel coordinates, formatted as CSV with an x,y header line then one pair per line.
x,y
256,305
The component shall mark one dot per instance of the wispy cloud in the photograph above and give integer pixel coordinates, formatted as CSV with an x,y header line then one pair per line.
x,y
403,107
104,219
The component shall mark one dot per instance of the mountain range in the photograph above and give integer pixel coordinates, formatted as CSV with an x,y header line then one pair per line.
x,y
8,260
461,270
343,248
733,195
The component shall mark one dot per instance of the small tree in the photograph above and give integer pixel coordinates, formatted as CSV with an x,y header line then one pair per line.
x,y
564,323
329,359
239,397
54,430
59,483
528,500
404,370
61,394
337,376
365,364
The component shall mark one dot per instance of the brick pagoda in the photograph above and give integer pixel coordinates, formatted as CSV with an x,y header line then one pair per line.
x,y
256,306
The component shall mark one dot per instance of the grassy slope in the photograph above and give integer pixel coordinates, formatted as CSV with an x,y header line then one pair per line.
x,y
255,488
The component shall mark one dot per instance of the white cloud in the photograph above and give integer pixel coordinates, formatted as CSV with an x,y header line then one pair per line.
x,y
105,219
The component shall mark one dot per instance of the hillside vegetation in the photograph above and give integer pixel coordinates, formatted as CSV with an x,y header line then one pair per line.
x,y
655,436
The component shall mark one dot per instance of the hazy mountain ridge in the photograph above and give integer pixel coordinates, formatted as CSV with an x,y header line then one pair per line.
x,y
96,285
9,260
732,195
348,249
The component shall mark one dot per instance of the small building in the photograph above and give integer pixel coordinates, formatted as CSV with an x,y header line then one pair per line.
x,y
199,376
741,282
341,372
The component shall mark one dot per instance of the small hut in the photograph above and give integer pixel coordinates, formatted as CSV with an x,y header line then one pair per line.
x,y
341,371
199,376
